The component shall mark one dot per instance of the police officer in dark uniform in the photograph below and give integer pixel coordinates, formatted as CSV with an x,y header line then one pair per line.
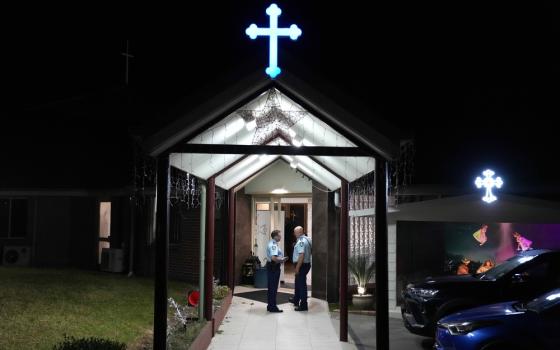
x,y
275,258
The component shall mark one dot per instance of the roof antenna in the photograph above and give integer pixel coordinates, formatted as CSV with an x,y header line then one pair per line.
x,y
128,57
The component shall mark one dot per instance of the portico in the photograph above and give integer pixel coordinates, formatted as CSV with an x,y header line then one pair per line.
x,y
237,135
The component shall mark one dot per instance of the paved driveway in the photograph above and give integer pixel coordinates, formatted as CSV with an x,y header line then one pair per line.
x,y
361,329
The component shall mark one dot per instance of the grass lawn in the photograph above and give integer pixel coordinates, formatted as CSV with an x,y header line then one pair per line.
x,y
39,306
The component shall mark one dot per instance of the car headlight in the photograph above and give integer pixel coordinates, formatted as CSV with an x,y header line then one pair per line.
x,y
461,328
424,293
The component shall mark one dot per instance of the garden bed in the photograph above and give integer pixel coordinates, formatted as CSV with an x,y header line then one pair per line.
x,y
220,314
210,329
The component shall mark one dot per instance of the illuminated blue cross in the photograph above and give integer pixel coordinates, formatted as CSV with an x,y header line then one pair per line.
x,y
273,32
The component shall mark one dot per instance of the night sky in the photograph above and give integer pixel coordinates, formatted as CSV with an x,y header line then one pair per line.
x,y
476,87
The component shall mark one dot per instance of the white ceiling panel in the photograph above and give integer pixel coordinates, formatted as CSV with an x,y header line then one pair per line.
x,y
277,118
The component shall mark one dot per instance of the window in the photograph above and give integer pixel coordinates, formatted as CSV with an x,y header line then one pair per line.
x,y
536,273
263,206
104,227
13,218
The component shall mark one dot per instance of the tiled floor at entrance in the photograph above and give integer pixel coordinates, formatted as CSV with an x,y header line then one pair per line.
x,y
249,326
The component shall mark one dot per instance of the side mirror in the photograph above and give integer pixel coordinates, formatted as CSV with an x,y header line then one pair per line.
x,y
517,278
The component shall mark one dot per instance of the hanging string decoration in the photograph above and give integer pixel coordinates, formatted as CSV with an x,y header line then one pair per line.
x,y
362,228
184,190
401,170
143,173
272,120
143,188
361,195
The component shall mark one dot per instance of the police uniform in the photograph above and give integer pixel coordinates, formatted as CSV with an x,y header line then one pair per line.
x,y
273,273
303,246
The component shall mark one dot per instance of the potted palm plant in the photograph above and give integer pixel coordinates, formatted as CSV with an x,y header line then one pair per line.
x,y
362,271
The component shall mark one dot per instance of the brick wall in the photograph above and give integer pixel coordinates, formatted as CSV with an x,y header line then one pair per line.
x,y
242,232
184,257
184,244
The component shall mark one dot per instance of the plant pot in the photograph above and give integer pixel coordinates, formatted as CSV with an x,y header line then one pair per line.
x,y
363,302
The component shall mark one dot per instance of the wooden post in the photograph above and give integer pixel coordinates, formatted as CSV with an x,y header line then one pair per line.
x,y
209,262
230,238
202,248
162,253
381,256
343,293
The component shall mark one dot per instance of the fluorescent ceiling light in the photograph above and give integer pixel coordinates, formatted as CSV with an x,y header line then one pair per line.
x,y
279,191
251,124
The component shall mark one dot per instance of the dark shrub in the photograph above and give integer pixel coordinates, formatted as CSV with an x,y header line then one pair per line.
x,y
71,343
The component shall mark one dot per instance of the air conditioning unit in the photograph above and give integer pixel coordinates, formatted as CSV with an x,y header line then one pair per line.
x,y
112,260
16,256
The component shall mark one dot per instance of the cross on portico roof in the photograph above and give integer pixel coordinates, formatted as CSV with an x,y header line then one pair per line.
x,y
273,32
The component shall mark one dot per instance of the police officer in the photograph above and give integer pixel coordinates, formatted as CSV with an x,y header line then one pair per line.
x,y
275,258
302,259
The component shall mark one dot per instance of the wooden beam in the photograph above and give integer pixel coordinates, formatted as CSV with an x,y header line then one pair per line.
x,y
271,149
343,237
246,155
162,253
381,256
209,262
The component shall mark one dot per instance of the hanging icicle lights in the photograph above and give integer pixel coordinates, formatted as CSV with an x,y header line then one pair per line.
x,y
184,189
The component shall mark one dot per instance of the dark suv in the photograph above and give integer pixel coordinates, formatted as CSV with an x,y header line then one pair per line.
x,y
521,277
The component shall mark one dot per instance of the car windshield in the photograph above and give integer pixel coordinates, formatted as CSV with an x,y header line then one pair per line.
x,y
505,267
545,301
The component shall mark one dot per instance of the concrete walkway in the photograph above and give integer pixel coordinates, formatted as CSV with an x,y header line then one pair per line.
x,y
249,326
